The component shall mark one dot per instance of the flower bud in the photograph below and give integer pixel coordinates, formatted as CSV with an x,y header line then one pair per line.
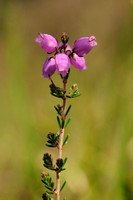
x,y
59,106
74,86
78,62
43,174
47,42
48,67
83,45
62,64
64,38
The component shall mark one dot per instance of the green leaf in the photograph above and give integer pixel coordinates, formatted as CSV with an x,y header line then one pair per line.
x,y
58,120
63,122
68,110
65,141
49,192
55,95
63,185
63,169
64,162
57,110
49,188
64,198
67,122
48,145
76,95
68,96
48,167
52,185
43,181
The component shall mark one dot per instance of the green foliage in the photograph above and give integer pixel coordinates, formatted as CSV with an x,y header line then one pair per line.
x,y
73,91
60,164
48,161
53,139
48,183
57,91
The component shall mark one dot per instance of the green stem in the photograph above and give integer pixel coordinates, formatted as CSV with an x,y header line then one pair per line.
x,y
61,143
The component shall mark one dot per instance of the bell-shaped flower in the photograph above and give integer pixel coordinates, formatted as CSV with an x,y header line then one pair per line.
x,y
83,45
48,67
62,62
47,42
78,62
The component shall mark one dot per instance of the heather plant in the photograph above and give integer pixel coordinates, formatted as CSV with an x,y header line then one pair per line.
x,y
63,56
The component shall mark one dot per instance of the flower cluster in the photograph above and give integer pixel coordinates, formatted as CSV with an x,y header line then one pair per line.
x,y
64,55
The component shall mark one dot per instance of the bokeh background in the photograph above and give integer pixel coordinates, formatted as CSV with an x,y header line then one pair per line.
x,y
100,148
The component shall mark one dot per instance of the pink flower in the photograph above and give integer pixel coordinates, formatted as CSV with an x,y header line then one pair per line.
x,y
83,45
48,67
67,46
62,62
47,42
78,62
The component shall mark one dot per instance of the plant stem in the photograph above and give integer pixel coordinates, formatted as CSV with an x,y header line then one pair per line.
x,y
61,143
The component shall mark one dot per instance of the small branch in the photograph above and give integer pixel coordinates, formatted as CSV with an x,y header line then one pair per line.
x,y
61,142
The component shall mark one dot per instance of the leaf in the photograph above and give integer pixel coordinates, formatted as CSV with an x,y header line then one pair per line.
x,y
68,96
65,141
64,162
49,192
52,185
48,187
57,110
67,122
63,169
43,181
48,145
55,95
48,167
64,198
63,122
76,95
58,120
63,185
68,110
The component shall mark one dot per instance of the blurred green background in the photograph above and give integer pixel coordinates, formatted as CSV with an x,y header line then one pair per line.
x,y
100,148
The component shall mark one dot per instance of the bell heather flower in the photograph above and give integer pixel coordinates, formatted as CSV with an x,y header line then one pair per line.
x,y
47,42
83,45
64,55
48,67
62,62
78,62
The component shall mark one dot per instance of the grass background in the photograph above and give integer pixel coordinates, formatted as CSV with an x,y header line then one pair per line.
x,y
100,148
